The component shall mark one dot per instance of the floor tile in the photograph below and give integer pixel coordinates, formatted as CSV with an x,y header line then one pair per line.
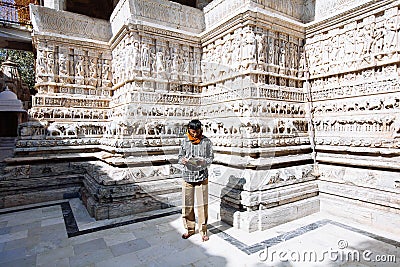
x,y
92,245
130,246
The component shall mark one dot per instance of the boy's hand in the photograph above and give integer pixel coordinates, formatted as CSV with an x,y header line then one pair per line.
x,y
184,161
202,162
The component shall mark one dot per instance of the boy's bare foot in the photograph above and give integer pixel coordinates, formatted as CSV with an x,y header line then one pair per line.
x,y
204,238
187,235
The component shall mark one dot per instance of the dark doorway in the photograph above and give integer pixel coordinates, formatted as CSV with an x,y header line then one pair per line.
x,y
8,124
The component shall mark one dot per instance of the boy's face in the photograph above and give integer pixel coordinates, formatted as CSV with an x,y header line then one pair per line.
x,y
195,133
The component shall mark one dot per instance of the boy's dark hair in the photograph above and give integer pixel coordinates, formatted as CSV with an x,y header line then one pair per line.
x,y
194,125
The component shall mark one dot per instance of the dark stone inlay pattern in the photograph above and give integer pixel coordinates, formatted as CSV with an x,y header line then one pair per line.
x,y
69,219
73,230
295,233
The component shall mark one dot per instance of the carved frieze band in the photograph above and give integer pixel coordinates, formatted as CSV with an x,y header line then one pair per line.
x,y
360,44
140,56
161,12
253,49
219,10
47,20
367,82
72,65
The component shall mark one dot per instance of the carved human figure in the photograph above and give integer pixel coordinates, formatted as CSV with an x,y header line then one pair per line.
x,y
153,60
80,68
271,50
236,48
390,36
185,62
228,48
217,52
145,57
62,62
249,45
378,42
174,60
41,62
135,55
93,71
260,38
160,64
277,51
196,65
368,36
106,73
50,64
282,55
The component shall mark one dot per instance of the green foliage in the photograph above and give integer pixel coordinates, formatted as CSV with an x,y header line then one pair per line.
x,y
26,65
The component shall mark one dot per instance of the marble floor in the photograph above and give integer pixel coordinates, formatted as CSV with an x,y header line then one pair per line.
x,y
63,234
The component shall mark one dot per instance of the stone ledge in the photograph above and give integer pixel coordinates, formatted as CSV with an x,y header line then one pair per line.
x,y
361,212
251,221
385,199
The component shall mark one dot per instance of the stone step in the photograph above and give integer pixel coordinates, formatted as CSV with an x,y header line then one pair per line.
x,y
7,142
6,152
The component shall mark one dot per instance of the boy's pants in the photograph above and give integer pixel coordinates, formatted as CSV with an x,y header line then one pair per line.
x,y
189,190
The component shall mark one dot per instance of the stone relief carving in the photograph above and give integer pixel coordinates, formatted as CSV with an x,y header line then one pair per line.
x,y
82,69
326,8
356,107
250,49
366,43
176,16
297,9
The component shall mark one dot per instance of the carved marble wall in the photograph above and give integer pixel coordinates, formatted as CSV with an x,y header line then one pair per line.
x,y
254,107
354,68
73,80
354,80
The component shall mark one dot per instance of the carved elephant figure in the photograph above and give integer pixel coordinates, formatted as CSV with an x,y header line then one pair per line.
x,y
389,103
111,128
396,127
54,130
374,104
268,126
139,127
72,130
153,127
246,129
